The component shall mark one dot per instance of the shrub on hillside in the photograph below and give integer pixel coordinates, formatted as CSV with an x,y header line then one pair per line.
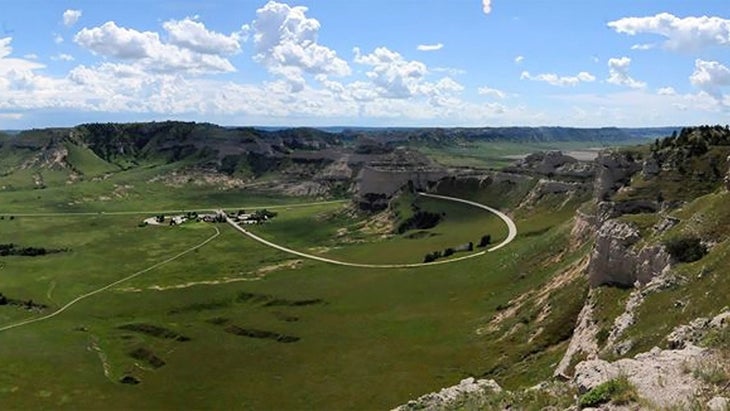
x,y
619,391
685,249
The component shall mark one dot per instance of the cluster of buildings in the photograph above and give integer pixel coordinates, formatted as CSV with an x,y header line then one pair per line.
x,y
239,217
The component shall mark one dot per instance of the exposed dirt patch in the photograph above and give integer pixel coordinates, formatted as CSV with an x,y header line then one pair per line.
x,y
94,346
286,265
199,177
539,298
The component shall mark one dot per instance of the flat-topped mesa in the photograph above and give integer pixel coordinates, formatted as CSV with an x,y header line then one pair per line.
x,y
553,164
379,180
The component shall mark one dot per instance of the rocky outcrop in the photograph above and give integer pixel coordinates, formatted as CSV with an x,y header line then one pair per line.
x,y
545,188
380,180
660,376
553,164
583,230
609,264
452,397
339,170
615,344
305,188
53,157
667,223
718,404
583,341
650,168
695,331
727,175
388,181
614,171
615,261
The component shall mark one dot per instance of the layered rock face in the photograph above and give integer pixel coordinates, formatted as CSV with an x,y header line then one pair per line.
x,y
379,180
553,163
615,261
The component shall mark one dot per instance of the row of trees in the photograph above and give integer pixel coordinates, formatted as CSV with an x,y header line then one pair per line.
x,y
435,255
27,304
13,249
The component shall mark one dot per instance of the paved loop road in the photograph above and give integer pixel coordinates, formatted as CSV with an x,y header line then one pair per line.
x,y
510,236
512,233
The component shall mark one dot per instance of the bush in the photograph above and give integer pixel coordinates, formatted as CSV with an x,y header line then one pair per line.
x,y
619,390
685,249
430,257
485,241
421,220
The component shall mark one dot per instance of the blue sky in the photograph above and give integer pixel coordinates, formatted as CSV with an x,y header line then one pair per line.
x,y
365,62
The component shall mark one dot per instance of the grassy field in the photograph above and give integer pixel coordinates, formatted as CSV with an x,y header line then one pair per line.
x,y
498,154
236,324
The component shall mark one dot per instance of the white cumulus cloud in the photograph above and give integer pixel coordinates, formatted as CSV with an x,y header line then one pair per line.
x,y
667,91
5,48
430,47
519,59
393,75
687,34
555,80
487,6
285,40
710,77
618,73
10,66
492,92
70,17
147,49
193,35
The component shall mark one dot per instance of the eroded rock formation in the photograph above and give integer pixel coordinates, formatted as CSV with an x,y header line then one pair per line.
x,y
614,171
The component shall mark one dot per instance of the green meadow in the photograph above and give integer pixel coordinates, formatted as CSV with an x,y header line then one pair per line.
x,y
236,324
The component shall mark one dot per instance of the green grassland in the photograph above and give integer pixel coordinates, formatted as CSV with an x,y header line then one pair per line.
x,y
354,338
498,154
313,229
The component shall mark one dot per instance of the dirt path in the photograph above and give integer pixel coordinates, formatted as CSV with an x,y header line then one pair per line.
x,y
110,285
512,233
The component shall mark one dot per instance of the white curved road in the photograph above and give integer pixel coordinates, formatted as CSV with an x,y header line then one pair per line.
x,y
510,236
512,233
